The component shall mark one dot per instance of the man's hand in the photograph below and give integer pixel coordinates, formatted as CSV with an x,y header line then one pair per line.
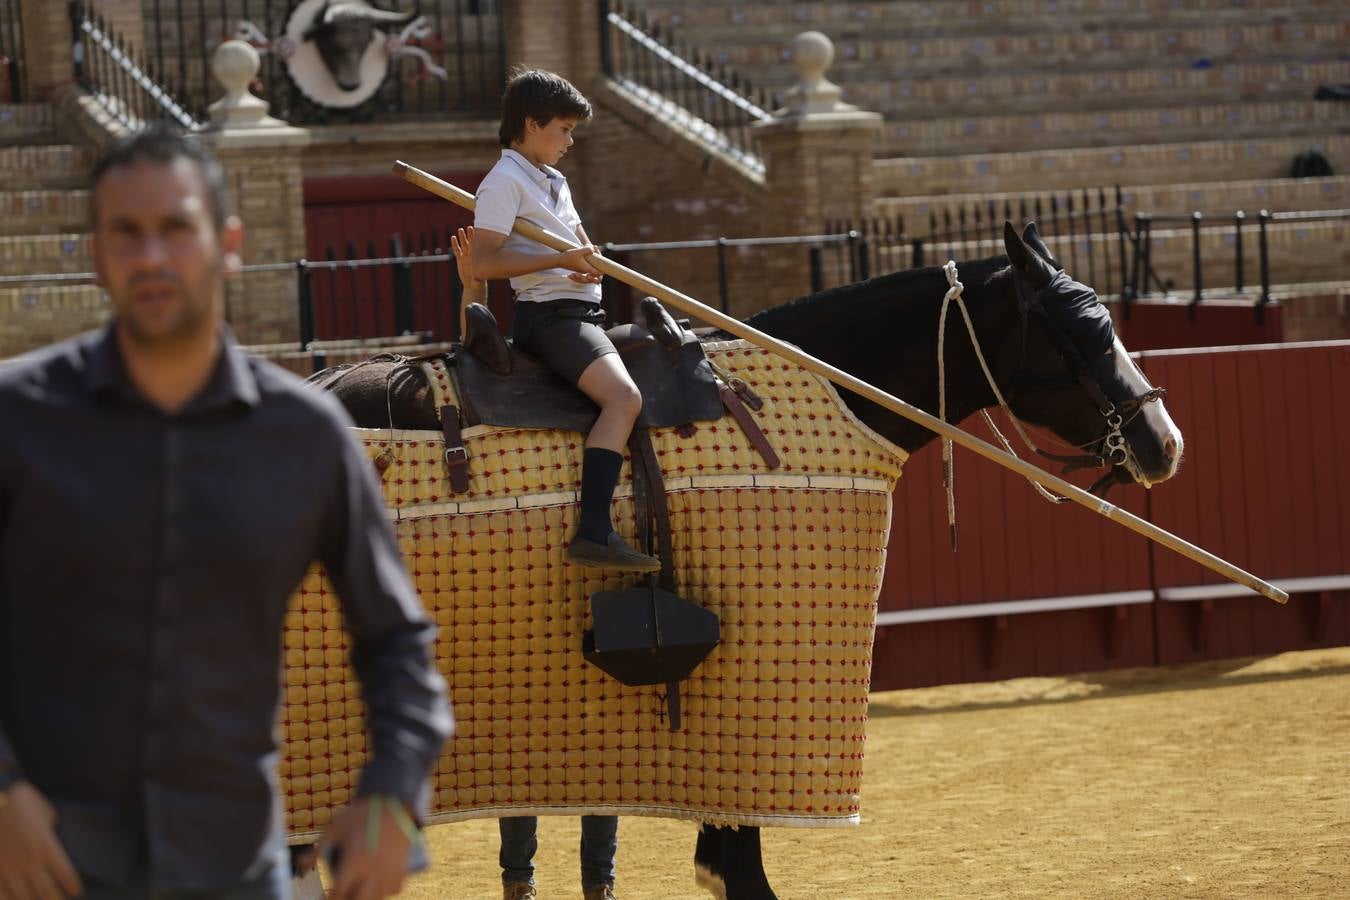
x,y
33,864
371,850
579,262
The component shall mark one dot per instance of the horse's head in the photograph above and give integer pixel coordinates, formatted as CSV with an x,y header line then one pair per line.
x,y
1070,373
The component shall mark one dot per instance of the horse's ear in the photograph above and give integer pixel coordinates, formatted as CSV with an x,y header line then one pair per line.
x,y
1017,250
1031,236
1026,261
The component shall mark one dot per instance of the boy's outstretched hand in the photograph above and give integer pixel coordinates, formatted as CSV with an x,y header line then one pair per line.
x,y
461,245
579,262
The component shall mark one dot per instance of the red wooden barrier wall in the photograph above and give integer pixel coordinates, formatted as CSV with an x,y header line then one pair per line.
x,y
1259,486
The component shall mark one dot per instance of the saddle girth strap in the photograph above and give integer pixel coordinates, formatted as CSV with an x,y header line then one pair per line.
x,y
649,500
456,457
751,428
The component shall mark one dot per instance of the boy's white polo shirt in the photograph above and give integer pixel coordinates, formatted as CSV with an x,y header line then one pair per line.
x,y
517,189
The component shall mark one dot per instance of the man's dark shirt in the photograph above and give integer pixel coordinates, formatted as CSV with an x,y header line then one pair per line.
x,y
146,561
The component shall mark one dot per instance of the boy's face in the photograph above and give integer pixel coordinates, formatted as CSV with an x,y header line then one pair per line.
x,y
546,144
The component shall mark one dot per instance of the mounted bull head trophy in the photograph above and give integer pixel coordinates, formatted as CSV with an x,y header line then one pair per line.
x,y
344,31
339,53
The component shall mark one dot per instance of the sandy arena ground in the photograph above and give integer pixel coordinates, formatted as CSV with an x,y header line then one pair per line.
x,y
1227,780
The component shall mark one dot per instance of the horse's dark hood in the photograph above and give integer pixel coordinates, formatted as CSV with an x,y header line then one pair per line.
x,y
1075,309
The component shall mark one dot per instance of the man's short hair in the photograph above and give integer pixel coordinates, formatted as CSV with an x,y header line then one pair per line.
x,y
160,143
539,95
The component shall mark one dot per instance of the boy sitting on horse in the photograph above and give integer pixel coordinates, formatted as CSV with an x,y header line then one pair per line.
x,y
558,316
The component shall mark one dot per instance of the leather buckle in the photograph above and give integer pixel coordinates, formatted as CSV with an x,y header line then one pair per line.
x,y
456,456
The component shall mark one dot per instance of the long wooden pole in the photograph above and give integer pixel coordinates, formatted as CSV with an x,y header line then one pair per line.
x,y
787,351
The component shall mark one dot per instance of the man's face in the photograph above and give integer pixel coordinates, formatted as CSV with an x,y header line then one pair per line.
x,y
157,251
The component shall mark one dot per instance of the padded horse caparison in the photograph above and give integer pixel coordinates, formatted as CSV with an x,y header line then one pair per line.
x,y
501,385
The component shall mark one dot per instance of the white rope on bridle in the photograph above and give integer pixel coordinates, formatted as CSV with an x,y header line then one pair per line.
x,y
954,295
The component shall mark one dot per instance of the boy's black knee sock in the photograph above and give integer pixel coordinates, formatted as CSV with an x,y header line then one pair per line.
x,y
599,476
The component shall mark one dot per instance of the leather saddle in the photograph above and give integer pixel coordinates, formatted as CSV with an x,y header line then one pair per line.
x,y
499,384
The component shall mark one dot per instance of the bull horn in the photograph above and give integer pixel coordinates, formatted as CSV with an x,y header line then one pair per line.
x,y
337,11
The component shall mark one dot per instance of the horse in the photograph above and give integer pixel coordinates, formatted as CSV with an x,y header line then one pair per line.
x,y
1049,346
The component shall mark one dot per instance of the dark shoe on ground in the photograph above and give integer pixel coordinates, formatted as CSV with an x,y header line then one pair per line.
x,y
614,555
603,892
517,891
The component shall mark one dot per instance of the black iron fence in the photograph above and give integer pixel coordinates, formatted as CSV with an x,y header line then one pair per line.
x,y
1144,278
129,88
1085,230
684,84
13,88
462,38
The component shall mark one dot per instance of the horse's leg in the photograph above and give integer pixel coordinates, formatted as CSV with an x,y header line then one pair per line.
x,y
728,864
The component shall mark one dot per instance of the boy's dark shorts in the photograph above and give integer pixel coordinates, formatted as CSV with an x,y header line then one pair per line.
x,y
568,335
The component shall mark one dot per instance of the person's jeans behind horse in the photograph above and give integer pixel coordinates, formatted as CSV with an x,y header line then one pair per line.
x,y
599,843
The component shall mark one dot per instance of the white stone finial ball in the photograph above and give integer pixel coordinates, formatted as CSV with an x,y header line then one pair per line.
x,y
235,64
812,53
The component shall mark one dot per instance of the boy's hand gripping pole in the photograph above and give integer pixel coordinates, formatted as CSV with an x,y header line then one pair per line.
x,y
787,351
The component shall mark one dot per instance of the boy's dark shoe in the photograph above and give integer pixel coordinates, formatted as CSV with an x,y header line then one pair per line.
x,y
603,892
614,555
518,891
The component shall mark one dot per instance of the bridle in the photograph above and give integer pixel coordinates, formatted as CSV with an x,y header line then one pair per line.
x,y
1111,448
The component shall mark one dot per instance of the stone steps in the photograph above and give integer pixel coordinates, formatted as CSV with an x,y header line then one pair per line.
x,y
1217,200
43,212
766,61
1117,89
44,166
33,316
1054,130
45,254
1043,170
696,21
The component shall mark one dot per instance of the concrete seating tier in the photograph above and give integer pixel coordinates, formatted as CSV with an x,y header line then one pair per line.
x,y
1299,253
1092,167
43,212
696,20
25,123
1217,200
44,254
1034,92
33,316
762,61
993,134
53,165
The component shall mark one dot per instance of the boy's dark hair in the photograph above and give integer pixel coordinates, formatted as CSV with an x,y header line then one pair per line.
x,y
539,95
160,143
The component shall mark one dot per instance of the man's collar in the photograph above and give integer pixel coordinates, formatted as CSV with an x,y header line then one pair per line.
x,y
232,381
540,174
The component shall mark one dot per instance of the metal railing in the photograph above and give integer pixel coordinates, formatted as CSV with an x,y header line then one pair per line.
x,y
1084,229
13,86
691,90
832,259
467,42
1143,276
128,88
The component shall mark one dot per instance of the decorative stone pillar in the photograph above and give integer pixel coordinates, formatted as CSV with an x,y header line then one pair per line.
x,y
562,36
817,151
48,46
262,160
